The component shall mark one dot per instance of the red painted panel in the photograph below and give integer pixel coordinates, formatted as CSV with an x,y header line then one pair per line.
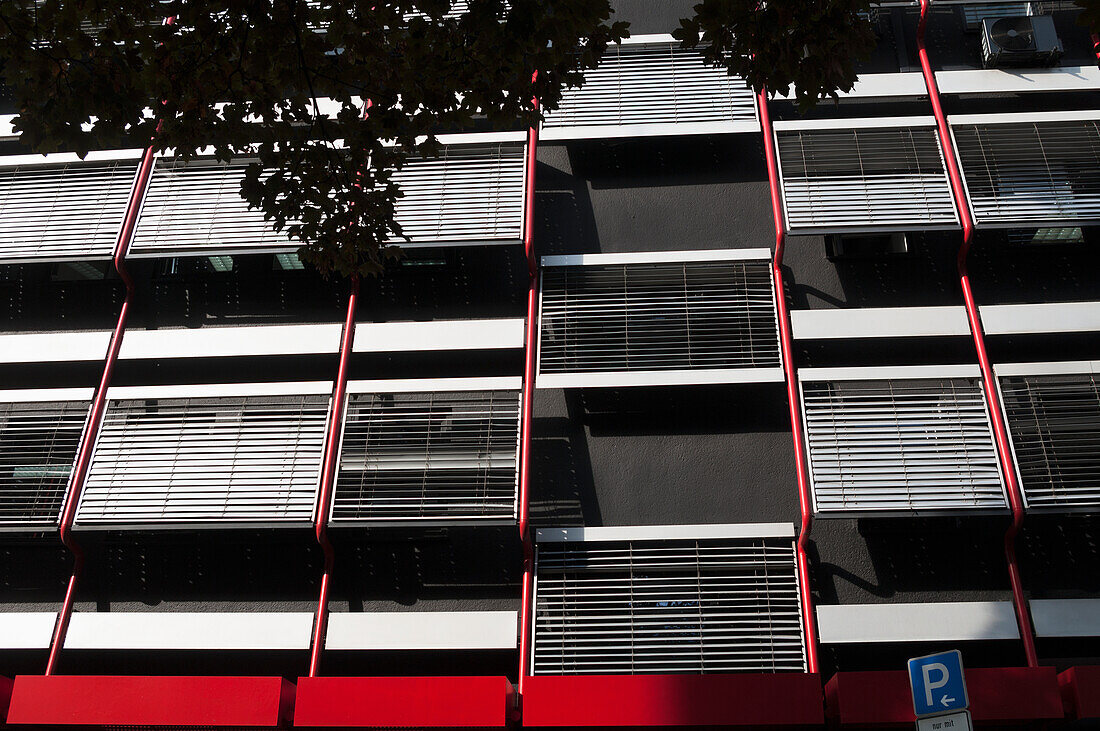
x,y
5,695
149,700
996,694
459,701
1081,691
779,699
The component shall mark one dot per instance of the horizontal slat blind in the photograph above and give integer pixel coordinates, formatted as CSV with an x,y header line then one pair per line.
x,y
218,460
470,193
442,456
196,207
1055,426
653,83
973,15
667,606
901,445
1031,172
657,316
836,180
53,212
38,443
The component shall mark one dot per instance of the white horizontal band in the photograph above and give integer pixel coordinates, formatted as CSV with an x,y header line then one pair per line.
x,y
1066,617
664,532
232,341
421,631
870,373
189,631
657,257
1013,81
482,138
920,622
61,158
26,630
879,322
1049,317
7,130
792,125
1018,117
434,385
388,337
880,86
43,395
218,390
551,133
1050,368
54,347
685,377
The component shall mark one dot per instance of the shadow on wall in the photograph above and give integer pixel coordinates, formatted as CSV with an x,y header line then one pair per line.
x,y
565,222
1005,269
563,491
57,297
1060,555
33,574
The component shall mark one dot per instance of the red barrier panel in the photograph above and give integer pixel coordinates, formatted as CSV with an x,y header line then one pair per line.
x,y
1081,691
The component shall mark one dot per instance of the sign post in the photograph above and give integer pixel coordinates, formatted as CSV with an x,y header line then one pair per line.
x,y
940,702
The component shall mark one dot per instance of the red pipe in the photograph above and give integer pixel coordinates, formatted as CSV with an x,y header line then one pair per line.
x,y
786,350
1096,46
328,472
1019,601
76,484
528,393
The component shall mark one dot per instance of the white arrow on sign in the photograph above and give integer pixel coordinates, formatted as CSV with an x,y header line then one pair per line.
x,y
945,700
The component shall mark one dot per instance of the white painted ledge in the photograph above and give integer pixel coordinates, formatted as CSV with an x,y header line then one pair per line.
x,y
1066,617
390,337
879,322
1000,81
664,532
54,347
26,630
189,631
924,622
215,342
1052,317
421,631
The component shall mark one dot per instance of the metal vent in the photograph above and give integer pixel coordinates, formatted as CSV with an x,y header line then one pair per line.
x,y
251,459
667,606
863,179
445,455
469,194
631,315
1055,425
900,445
641,88
38,444
57,207
1031,172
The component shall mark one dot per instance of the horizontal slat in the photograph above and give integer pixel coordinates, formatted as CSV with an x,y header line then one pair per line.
x,y
912,445
189,631
421,631
923,622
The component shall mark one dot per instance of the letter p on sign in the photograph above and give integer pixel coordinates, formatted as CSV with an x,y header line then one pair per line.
x,y
931,685
937,684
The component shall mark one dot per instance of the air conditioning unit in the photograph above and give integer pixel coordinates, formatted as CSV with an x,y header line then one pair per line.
x,y
1020,41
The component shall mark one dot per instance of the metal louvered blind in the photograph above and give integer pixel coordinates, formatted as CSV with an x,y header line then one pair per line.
x,y
196,207
1031,172
1055,426
973,15
470,193
901,445
653,83
444,456
218,460
657,316
38,443
667,606
864,179
63,211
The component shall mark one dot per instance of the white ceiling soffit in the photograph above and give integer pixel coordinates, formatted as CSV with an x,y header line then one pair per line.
x,y
54,347
924,622
648,86
392,337
421,631
26,630
215,342
1050,317
879,322
189,631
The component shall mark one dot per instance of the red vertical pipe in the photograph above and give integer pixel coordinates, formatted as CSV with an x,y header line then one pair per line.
x,y
87,441
530,354
328,476
1000,432
786,350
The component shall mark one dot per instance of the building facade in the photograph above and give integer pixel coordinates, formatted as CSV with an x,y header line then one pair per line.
x,y
685,409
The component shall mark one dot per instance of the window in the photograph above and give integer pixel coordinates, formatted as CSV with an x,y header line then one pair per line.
x,y
667,599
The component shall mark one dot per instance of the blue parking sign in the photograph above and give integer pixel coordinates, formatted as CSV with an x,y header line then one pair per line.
x,y
937,683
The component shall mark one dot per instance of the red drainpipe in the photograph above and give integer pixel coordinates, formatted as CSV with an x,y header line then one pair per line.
x,y
786,350
76,484
528,393
1096,46
1019,601
328,473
